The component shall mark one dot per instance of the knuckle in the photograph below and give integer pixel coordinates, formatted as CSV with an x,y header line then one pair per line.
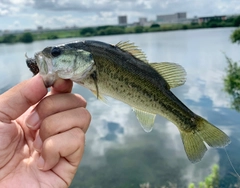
x,y
85,116
5,117
85,113
46,128
49,145
78,137
47,104
82,101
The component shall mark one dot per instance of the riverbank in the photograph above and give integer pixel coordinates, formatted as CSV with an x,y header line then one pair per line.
x,y
29,37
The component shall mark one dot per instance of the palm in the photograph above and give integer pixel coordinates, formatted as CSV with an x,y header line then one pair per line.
x,y
38,155
22,158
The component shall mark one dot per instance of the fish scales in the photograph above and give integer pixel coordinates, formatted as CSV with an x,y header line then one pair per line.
x,y
121,71
150,88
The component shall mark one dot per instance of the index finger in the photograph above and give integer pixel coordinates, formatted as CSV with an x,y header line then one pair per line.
x,y
62,86
18,99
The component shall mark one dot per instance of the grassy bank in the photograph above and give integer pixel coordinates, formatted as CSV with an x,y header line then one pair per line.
x,y
29,37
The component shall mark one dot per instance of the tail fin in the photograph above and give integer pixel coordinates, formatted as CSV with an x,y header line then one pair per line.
x,y
194,141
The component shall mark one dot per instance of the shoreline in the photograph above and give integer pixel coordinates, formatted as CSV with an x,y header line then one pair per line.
x,y
28,37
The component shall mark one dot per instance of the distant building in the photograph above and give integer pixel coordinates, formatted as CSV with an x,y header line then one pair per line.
x,y
208,18
27,30
194,19
172,18
39,28
143,21
122,20
181,15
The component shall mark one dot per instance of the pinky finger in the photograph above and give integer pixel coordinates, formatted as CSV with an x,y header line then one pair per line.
x,y
63,152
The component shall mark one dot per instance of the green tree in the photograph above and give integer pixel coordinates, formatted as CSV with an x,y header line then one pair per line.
x,y
9,38
114,30
235,36
26,37
52,36
185,26
232,78
211,181
237,21
102,32
88,31
138,29
191,185
154,25
102,27
193,23
214,22
232,83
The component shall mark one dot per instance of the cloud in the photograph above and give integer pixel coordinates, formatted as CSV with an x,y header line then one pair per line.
x,y
67,5
54,13
59,21
4,9
12,7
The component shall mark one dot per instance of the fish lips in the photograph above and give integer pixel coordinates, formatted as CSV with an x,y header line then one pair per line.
x,y
46,68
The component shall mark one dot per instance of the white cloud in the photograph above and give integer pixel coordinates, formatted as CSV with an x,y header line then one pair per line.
x,y
12,7
102,12
20,2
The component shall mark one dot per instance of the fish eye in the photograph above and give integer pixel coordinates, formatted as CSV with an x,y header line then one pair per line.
x,y
90,56
56,51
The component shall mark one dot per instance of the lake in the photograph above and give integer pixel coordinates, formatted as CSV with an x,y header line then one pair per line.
x,y
118,152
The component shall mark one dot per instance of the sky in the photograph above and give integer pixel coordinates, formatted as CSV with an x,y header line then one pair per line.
x,y
29,14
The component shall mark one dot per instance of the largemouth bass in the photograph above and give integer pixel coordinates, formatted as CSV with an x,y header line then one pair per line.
x,y
122,71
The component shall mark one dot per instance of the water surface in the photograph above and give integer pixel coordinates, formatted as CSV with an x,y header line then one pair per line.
x,y
118,152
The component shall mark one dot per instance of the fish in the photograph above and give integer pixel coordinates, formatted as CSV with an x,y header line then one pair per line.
x,y
123,72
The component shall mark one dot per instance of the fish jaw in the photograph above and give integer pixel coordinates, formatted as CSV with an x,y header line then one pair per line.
x,y
46,69
73,64
69,64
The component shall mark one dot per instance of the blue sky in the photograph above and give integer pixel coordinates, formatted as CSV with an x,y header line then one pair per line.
x,y
28,14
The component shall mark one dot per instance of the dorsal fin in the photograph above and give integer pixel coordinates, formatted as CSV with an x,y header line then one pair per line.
x,y
173,73
132,49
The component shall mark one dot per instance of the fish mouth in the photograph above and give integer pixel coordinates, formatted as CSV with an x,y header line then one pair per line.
x,y
46,69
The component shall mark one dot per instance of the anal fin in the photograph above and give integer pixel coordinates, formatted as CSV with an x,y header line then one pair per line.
x,y
146,119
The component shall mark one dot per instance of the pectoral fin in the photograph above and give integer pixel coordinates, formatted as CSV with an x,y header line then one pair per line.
x,y
146,119
100,97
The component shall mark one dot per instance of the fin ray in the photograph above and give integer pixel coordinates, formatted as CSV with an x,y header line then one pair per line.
x,y
132,49
98,96
212,135
146,119
173,73
194,142
193,145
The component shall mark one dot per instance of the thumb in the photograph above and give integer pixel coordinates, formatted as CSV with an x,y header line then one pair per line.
x,y
18,99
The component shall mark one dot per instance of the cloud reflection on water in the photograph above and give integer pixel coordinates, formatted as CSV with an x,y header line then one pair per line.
x,y
165,135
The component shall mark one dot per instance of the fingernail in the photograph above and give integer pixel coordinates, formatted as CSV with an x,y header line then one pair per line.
x,y
40,163
32,120
37,144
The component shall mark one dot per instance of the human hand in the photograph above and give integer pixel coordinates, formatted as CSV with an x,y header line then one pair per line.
x,y
41,143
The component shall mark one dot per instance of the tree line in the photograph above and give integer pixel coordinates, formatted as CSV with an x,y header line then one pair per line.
x,y
29,37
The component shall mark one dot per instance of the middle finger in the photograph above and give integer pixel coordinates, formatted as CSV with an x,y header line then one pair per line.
x,y
63,121
51,105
